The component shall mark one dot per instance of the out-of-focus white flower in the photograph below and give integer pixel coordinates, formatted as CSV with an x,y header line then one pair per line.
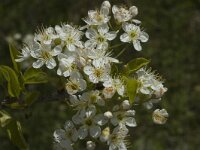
x,y
116,140
111,86
160,116
121,14
25,54
96,17
123,118
67,65
91,145
45,36
133,34
98,72
66,137
76,83
149,83
98,39
44,53
70,36
91,123
93,97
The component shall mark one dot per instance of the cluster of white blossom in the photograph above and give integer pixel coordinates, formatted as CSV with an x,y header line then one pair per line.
x,y
103,111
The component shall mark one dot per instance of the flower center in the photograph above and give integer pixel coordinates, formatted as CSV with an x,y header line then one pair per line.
x,y
133,34
98,73
45,55
100,39
88,122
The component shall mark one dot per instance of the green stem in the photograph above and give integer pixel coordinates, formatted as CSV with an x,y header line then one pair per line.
x,y
117,45
122,51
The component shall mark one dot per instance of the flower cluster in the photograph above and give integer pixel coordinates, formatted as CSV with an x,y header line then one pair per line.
x,y
84,57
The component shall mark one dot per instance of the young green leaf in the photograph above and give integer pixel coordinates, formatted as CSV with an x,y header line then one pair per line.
x,y
14,131
5,118
35,76
131,88
13,83
13,55
135,65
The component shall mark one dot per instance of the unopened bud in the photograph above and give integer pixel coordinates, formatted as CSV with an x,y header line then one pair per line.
x,y
108,114
160,116
90,145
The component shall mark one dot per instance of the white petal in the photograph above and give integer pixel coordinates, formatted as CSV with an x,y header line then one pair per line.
x,y
115,9
111,35
38,64
71,47
100,119
95,131
90,44
83,132
51,63
57,50
137,45
90,33
102,29
144,37
130,121
133,10
88,70
125,37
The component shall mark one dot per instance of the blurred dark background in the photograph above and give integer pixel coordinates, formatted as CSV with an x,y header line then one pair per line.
x,y
174,48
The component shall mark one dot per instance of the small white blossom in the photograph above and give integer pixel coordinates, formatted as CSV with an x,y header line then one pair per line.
x,y
45,55
116,140
96,17
75,83
160,116
45,36
70,36
98,72
91,123
25,54
67,65
91,145
150,84
98,39
134,35
66,137
111,86
93,97
121,14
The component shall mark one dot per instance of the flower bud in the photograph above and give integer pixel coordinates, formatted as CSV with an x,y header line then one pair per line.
x,y
106,4
90,145
126,104
160,116
108,114
133,10
105,134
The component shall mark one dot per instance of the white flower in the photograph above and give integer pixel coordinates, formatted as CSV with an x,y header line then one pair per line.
x,y
98,39
122,118
149,83
70,36
121,14
45,36
75,83
25,54
45,55
134,34
98,72
67,65
91,145
96,17
116,140
160,116
93,97
66,137
111,86
91,123
101,55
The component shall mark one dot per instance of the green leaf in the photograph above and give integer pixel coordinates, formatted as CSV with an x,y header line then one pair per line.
x,y
135,65
12,79
131,88
35,76
14,131
5,118
13,55
31,97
